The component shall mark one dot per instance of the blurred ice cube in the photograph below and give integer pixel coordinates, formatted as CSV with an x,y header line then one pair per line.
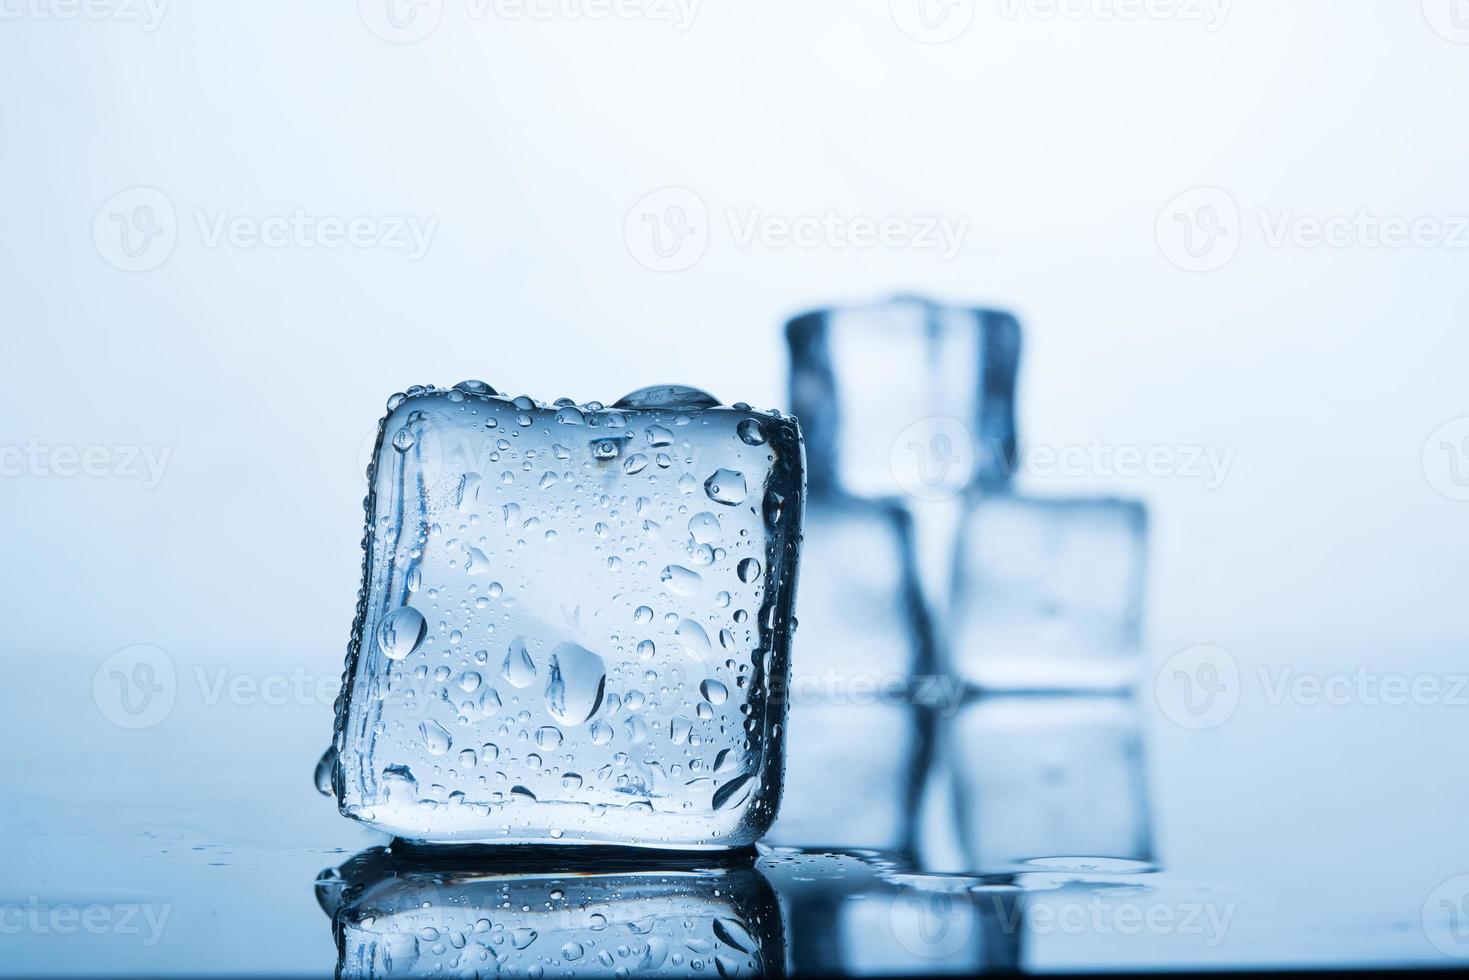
x,y
1050,784
1048,593
859,612
854,775
905,398
855,745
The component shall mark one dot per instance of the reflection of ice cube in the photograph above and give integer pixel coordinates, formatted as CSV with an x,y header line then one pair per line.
x,y
608,917
863,914
1050,783
575,621
1048,593
905,397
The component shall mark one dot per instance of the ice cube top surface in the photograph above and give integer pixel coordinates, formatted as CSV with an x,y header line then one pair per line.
x,y
575,620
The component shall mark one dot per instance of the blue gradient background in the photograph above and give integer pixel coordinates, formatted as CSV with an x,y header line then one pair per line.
x,y
264,370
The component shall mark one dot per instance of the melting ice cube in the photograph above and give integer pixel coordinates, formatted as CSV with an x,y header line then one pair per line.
x,y
575,620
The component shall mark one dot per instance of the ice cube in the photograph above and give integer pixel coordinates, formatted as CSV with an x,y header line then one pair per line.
x,y
457,915
906,397
574,623
1050,784
855,745
1048,593
854,774
860,613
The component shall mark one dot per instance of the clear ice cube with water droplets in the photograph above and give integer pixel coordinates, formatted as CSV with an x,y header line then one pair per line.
x,y
575,621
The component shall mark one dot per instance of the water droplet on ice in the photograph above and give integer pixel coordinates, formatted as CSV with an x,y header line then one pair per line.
x,y
751,432
734,792
667,396
469,485
726,487
400,633
635,463
578,678
682,581
435,737
477,562
749,570
642,615
714,691
705,528
695,641
519,669
323,773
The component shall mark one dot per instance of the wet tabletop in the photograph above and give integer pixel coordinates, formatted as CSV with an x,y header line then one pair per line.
x,y
1287,832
